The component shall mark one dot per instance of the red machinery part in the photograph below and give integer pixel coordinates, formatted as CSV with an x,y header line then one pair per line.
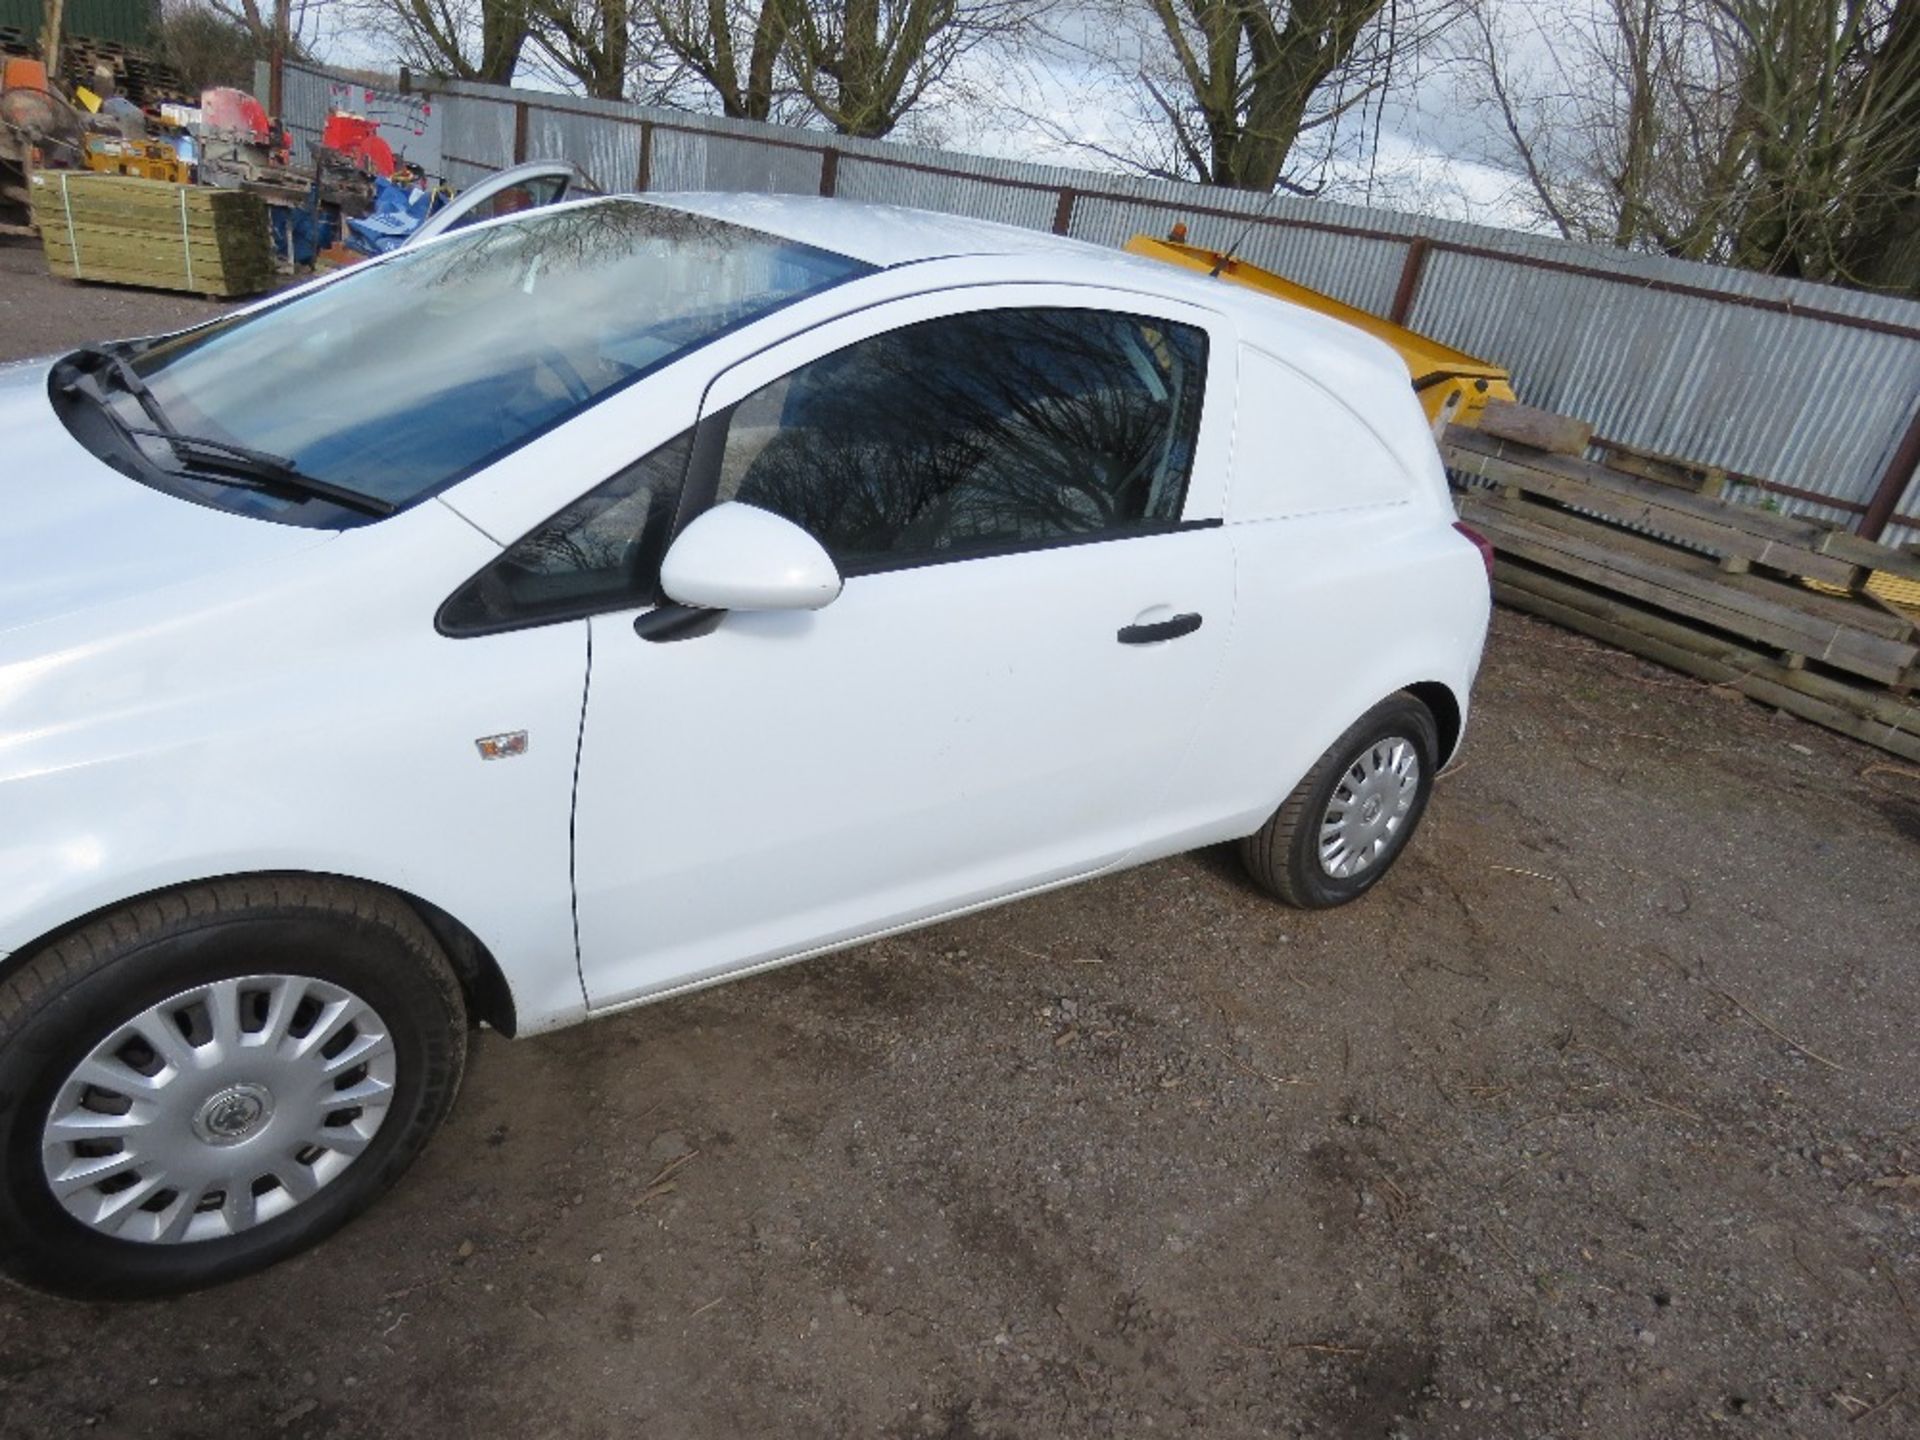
x,y
359,140
233,112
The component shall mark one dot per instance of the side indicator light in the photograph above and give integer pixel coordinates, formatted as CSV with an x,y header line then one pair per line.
x,y
502,747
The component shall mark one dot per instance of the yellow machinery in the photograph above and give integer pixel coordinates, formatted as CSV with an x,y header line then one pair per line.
x,y
145,159
1453,386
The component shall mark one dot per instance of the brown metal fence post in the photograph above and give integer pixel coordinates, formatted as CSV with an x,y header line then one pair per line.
x,y
1063,212
519,132
1411,270
1899,474
829,171
277,46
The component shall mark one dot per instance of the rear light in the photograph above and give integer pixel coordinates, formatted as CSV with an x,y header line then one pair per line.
x,y
1480,543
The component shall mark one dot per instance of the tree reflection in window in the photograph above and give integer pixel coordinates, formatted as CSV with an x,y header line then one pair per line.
x,y
602,552
975,433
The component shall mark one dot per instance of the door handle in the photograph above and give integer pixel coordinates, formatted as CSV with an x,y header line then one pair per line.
x,y
1159,630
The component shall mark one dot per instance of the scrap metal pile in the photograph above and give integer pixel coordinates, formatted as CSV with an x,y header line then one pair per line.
x,y
128,182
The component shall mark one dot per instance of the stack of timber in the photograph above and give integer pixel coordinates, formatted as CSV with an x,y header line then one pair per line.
x,y
1789,611
125,231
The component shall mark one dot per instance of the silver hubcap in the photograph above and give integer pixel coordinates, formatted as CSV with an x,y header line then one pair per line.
x,y
1369,807
218,1109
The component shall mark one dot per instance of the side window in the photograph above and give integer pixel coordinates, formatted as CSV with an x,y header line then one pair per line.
x,y
528,195
600,553
974,434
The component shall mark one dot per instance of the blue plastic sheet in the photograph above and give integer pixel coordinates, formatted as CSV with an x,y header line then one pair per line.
x,y
397,213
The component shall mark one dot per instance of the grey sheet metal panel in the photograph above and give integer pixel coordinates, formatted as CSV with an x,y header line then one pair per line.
x,y
479,132
607,151
706,160
980,197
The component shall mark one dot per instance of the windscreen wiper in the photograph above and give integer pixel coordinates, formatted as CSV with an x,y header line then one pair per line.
x,y
220,460
114,362
239,465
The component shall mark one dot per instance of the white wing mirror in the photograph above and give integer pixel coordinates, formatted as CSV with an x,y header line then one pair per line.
x,y
739,557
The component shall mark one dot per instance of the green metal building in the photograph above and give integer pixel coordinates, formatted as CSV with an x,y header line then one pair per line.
x,y
133,23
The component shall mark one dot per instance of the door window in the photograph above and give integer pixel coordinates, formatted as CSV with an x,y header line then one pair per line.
x,y
529,194
976,434
601,553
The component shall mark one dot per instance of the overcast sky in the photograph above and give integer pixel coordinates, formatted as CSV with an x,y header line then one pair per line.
x,y
1430,157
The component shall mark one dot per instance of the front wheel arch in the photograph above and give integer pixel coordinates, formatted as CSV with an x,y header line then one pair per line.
x,y
483,984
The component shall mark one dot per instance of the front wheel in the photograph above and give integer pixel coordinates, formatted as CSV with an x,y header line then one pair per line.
x,y
208,1081
1335,836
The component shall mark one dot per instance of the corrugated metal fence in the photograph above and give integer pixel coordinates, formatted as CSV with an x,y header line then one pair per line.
x,y
1815,388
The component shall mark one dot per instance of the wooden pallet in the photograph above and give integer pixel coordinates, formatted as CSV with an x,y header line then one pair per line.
x,y
1859,639
1880,719
141,77
1742,535
1663,568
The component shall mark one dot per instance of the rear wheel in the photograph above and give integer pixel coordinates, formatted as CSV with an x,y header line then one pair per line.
x,y
1345,824
205,1082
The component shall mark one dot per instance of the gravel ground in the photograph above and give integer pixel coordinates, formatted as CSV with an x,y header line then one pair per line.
x,y
1601,1116
40,315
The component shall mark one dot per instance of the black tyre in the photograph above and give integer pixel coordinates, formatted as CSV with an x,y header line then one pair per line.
x,y
210,1080
1341,829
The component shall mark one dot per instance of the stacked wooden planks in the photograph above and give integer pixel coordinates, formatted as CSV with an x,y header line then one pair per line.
x,y
125,231
1789,611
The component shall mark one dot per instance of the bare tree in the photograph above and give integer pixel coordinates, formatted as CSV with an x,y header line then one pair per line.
x,y
1781,135
1883,251
210,44
467,39
1228,91
609,49
862,64
733,47
859,65
1250,70
284,27
587,41
1616,117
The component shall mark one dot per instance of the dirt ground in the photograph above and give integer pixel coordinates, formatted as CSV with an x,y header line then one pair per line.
x,y
1600,1117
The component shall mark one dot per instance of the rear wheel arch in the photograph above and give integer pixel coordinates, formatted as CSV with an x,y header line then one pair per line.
x,y
1448,719
483,984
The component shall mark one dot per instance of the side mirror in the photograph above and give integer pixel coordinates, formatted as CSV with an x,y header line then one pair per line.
x,y
739,557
